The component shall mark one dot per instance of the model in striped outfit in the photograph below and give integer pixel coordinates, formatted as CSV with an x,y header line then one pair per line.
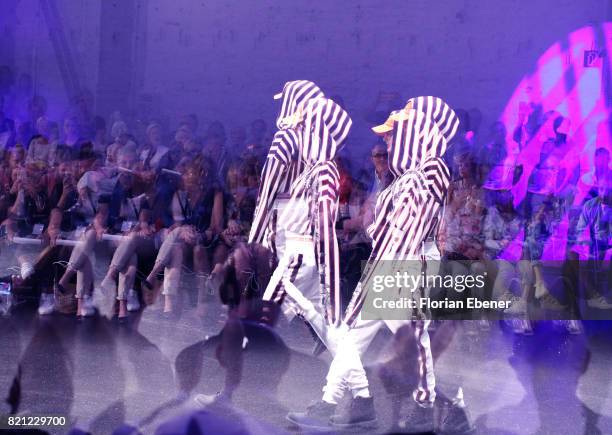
x,y
406,218
308,272
283,166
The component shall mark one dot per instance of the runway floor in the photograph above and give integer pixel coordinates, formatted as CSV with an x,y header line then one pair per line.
x,y
102,374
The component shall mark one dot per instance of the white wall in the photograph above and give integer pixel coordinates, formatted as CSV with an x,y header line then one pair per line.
x,y
225,59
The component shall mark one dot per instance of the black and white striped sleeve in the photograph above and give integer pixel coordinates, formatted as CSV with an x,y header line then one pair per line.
x,y
274,173
326,243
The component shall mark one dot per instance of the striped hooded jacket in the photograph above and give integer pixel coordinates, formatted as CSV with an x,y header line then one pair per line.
x,y
313,206
283,163
410,209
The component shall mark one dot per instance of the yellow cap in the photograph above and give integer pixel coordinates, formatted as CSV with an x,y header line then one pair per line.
x,y
385,127
396,115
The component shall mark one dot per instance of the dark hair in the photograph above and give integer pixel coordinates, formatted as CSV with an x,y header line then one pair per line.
x,y
99,123
36,137
216,130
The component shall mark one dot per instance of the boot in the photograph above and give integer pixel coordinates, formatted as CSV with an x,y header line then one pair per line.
x,y
360,414
317,416
455,420
420,419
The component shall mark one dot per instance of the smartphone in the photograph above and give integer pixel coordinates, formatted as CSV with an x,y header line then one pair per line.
x,y
5,288
6,298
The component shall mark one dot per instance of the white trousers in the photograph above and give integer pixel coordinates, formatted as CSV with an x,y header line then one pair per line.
x,y
346,371
296,284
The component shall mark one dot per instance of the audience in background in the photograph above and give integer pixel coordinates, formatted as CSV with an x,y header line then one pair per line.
x,y
158,205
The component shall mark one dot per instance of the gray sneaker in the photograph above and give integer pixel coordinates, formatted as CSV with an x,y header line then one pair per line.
x,y
549,302
456,420
360,414
599,303
317,416
420,419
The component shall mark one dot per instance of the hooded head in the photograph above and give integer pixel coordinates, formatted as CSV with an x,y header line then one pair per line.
x,y
421,131
294,95
325,128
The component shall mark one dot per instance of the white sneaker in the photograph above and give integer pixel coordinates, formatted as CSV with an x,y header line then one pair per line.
x,y
26,270
88,309
519,306
133,304
204,400
47,304
527,328
599,303
574,327
484,325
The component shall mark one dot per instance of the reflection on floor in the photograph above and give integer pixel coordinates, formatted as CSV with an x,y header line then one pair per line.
x,y
146,372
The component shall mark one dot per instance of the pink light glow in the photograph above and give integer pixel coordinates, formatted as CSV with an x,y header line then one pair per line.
x,y
584,104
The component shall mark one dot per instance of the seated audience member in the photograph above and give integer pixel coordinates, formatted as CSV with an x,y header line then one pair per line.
x,y
237,140
460,235
214,149
197,210
601,169
502,225
549,195
154,155
239,202
382,175
7,129
596,221
108,216
41,152
72,133
99,140
120,132
499,169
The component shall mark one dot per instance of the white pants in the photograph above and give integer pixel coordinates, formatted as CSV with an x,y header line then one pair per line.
x,y
295,283
346,371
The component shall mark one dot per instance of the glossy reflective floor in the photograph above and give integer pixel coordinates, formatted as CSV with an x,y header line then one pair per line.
x,y
146,373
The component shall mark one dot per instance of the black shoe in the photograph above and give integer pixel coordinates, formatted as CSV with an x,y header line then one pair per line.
x,y
317,416
420,419
455,420
361,414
